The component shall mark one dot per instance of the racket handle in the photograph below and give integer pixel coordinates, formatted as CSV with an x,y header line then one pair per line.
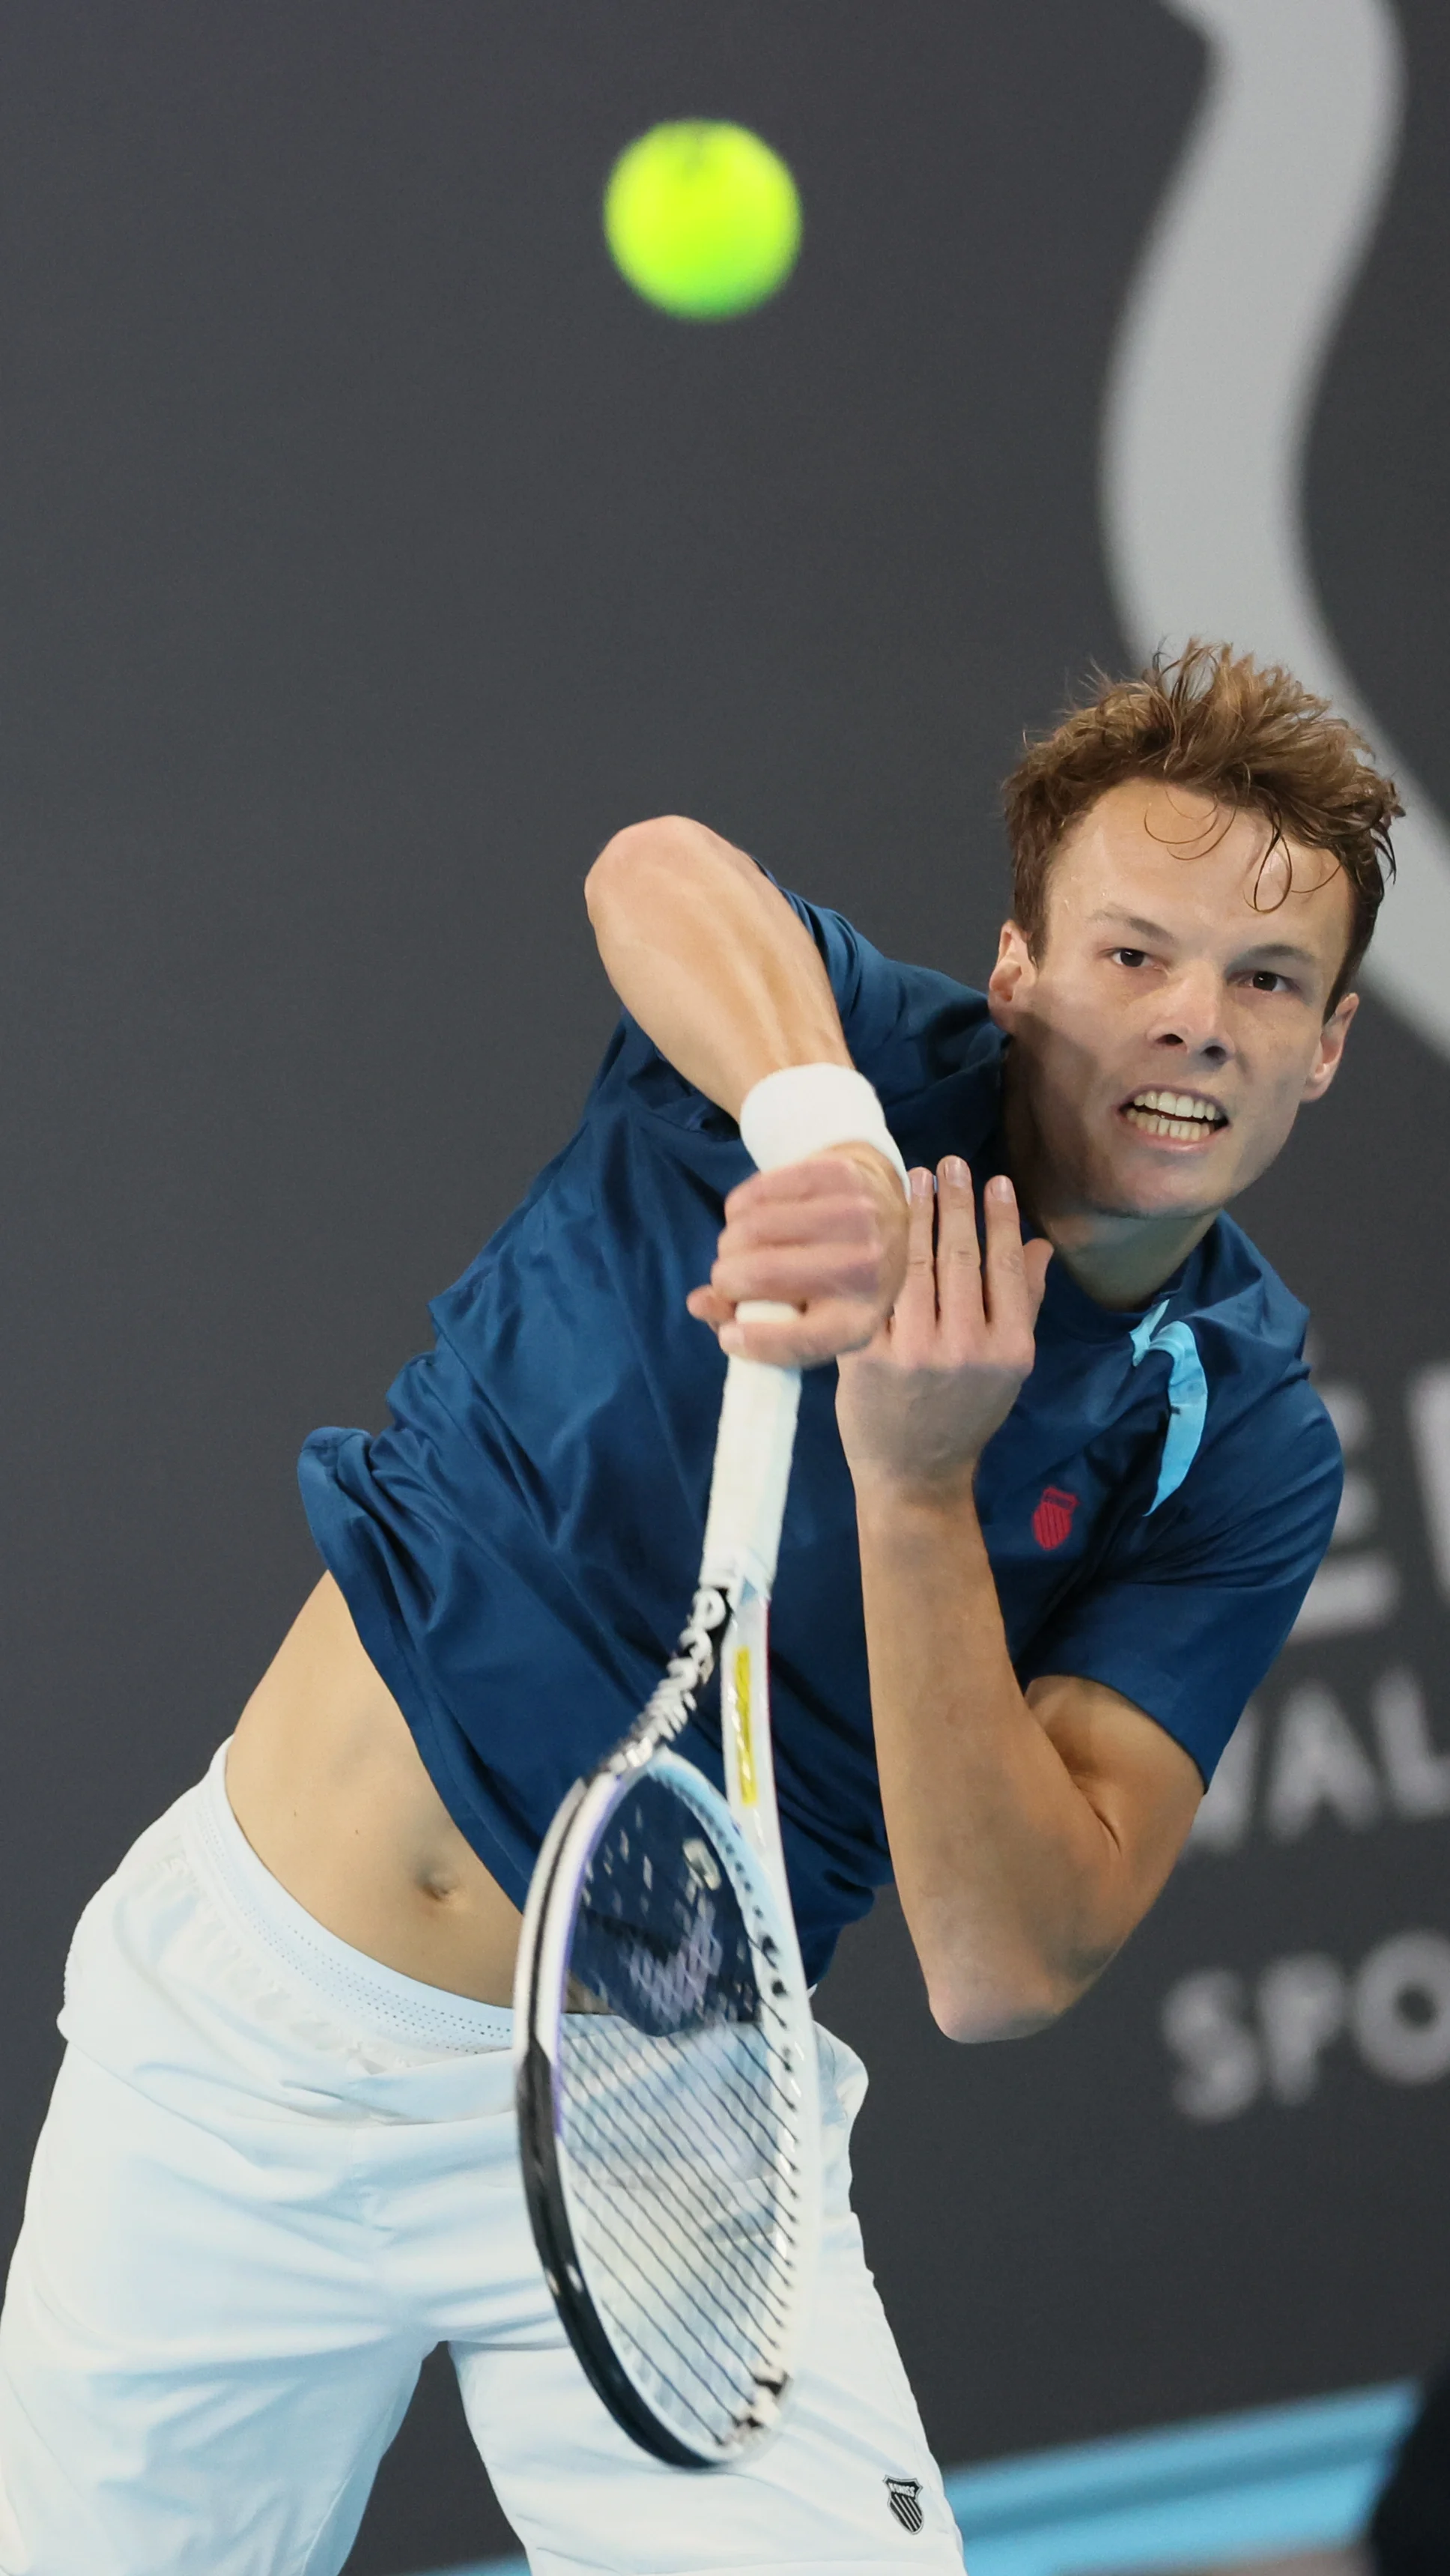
x,y
746,1743
752,1465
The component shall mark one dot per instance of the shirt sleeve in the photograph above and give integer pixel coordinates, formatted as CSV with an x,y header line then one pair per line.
x,y
906,1026
1196,1605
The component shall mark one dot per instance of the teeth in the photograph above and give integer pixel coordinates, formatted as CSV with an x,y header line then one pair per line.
x,y
1181,1114
1176,1104
1185,1131
1184,1116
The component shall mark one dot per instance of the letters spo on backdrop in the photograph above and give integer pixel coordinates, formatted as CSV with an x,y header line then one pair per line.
x,y
1311,1758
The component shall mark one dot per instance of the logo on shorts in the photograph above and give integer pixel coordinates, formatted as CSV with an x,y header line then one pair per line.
x,y
905,2494
1053,1517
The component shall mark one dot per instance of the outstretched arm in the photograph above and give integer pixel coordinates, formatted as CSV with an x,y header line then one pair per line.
x,y
719,972
1029,1832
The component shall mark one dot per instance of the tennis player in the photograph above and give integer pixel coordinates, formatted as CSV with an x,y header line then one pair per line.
x,y
1052,1517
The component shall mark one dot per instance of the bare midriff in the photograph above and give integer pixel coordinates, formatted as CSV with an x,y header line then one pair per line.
x,y
331,1792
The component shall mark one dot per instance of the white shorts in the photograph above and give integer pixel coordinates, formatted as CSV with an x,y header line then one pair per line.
x,y
273,2176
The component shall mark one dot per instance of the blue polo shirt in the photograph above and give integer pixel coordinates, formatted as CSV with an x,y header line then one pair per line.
x,y
519,1548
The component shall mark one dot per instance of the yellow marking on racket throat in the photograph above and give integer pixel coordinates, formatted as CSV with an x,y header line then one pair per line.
x,y
741,1721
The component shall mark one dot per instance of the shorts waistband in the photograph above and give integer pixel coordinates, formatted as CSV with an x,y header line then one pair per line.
x,y
378,2002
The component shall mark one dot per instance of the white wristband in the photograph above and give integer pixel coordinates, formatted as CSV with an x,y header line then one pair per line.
x,y
810,1107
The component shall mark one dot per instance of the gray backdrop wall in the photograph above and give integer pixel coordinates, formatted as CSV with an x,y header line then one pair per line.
x,y
367,554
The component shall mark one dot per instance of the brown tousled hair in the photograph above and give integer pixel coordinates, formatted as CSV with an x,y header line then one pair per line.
x,y
1220,723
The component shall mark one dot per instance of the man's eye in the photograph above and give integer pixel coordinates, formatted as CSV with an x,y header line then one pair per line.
x,y
1264,980
1130,956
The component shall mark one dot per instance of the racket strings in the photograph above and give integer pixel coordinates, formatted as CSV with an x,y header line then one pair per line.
x,y
701,2231
649,2272
672,2173
705,2384
679,2119
700,2385
697,2243
690,2134
683,2152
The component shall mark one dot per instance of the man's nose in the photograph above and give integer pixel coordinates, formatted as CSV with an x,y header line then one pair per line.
x,y
1192,1015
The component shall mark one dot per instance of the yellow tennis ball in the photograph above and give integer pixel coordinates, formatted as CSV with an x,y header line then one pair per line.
x,y
704,220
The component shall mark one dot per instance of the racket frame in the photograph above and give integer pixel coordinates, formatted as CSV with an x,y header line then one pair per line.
x,y
542,2010
729,1622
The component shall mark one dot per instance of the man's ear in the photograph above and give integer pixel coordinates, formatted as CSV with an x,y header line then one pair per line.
x,y
1013,971
1331,1047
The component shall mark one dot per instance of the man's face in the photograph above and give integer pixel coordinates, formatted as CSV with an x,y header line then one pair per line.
x,y
1171,1026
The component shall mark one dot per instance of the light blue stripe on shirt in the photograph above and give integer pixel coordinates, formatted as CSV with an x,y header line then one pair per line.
x,y
1187,1395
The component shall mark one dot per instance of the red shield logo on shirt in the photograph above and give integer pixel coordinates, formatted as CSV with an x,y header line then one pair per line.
x,y
1053,1517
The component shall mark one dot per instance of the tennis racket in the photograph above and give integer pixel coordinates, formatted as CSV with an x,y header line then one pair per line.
x,y
665,2054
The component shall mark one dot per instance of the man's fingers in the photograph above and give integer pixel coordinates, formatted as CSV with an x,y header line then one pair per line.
x,y
829,1329
830,1326
958,1253
800,1273
1010,1308
709,1307
955,1307
915,1311
831,1216
822,1176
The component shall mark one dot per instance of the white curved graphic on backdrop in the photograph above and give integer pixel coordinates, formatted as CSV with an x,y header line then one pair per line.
x,y
1214,376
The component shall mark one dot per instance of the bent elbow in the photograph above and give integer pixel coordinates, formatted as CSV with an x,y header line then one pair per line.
x,y
628,859
970,2008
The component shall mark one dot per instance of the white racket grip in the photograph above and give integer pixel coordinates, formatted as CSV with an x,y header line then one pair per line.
x,y
752,1466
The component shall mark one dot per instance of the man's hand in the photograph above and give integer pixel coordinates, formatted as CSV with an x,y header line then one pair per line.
x,y
827,1236
919,1404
